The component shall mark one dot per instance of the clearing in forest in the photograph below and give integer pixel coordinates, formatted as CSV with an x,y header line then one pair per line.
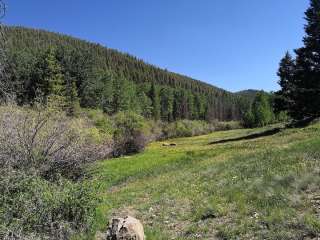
x,y
226,185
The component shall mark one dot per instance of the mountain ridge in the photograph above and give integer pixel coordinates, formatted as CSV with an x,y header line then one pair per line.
x,y
118,52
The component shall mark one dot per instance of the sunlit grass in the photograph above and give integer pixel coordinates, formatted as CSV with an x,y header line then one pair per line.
x,y
261,188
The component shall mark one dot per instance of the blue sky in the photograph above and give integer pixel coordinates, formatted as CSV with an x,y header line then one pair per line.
x,y
233,44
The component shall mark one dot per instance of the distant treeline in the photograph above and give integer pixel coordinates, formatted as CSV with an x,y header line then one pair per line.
x,y
99,77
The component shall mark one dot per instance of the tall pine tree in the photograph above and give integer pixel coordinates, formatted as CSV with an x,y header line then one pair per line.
x,y
304,87
307,76
153,95
166,100
286,72
72,99
49,82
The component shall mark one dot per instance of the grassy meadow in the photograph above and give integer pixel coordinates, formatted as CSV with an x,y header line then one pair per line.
x,y
266,187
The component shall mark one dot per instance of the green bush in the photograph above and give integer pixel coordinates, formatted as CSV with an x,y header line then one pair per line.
x,y
187,128
282,117
130,135
32,206
225,126
101,120
43,154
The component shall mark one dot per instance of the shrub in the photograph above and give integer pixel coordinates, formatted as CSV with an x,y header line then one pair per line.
x,y
224,126
187,128
102,121
282,117
155,130
130,134
248,119
31,207
46,143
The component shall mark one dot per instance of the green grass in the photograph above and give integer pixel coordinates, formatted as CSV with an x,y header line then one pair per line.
x,y
264,188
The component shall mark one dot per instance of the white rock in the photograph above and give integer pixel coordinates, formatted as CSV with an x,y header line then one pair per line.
x,y
128,228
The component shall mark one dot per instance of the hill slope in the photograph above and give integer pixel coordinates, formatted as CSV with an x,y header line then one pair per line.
x,y
203,189
249,94
87,63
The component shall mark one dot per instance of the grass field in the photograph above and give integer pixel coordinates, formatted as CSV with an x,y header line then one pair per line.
x,y
266,187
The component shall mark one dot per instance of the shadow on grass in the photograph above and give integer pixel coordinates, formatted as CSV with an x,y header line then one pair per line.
x,y
303,123
249,137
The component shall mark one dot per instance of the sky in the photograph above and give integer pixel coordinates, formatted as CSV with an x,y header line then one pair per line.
x,y
232,44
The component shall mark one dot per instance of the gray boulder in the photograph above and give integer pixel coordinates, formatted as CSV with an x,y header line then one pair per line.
x,y
128,228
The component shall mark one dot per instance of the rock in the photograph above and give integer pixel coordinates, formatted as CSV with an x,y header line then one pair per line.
x,y
127,228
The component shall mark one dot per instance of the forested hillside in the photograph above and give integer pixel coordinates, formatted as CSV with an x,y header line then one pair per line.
x,y
249,94
94,76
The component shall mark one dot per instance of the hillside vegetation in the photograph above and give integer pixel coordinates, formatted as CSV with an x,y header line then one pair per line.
x,y
98,77
255,184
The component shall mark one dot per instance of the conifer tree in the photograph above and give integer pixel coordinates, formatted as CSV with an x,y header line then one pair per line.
x,y
200,106
121,97
191,112
53,78
304,87
145,104
307,75
284,97
49,80
72,99
153,95
166,103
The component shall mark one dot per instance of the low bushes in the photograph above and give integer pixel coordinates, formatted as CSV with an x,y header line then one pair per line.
x,y
46,143
188,128
34,208
43,154
131,132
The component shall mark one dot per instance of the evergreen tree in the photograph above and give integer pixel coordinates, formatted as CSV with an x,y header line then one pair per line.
x,y
307,75
153,95
191,113
248,118
49,80
211,109
106,90
96,93
200,106
18,73
301,84
72,99
284,97
145,104
120,95
134,104
53,77
166,103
